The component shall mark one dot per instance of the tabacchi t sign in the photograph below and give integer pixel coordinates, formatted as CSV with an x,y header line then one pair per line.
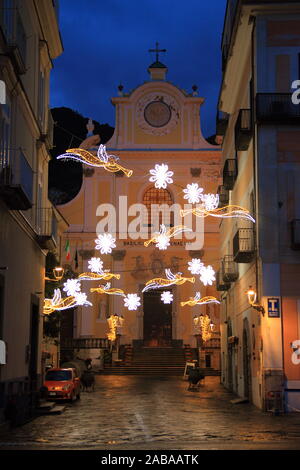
x,y
2,92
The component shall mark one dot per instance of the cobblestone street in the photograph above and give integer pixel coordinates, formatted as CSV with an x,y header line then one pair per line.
x,y
134,412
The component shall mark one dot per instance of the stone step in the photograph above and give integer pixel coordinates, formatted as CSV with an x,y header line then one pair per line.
x,y
49,408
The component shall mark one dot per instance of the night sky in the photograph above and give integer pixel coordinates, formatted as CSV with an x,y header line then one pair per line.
x,y
106,43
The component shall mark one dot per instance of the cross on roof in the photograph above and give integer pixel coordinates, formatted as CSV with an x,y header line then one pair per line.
x,y
157,50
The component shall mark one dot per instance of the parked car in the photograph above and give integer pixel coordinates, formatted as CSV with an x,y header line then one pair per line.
x,y
62,384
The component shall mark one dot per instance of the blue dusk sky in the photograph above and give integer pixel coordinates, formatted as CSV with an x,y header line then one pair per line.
x,y
106,43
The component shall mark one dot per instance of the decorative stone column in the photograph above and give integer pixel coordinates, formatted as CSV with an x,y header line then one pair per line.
x,y
117,267
87,313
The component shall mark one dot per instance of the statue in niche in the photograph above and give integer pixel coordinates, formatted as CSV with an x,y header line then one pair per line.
x,y
175,264
157,262
140,270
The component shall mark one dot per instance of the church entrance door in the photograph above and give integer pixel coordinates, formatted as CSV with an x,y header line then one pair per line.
x,y
157,320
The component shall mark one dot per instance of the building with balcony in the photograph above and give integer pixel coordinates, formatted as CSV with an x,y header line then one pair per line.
x,y
29,225
261,171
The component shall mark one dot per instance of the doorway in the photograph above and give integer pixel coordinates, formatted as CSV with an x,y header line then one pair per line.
x,y
157,320
34,341
247,361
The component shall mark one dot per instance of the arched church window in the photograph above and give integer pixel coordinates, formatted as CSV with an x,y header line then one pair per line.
x,y
157,202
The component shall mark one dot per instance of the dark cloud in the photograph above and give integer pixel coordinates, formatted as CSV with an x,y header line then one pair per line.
x,y
106,42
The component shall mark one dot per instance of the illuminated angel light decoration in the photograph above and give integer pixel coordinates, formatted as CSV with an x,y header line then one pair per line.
x,y
162,238
132,301
203,326
105,243
108,162
96,266
225,212
106,289
193,193
172,279
197,300
114,322
161,176
166,297
58,303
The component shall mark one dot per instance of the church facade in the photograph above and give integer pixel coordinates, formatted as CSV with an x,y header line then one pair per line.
x,y
156,123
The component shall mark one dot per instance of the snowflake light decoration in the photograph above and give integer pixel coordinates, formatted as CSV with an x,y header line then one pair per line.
x,y
210,201
195,266
95,265
162,242
72,287
193,193
167,297
105,243
81,299
132,301
161,176
207,275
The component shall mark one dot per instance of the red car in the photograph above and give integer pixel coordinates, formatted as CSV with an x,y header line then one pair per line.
x,y
62,384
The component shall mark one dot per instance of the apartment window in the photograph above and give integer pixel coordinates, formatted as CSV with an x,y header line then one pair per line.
x,y
41,99
153,198
7,11
5,111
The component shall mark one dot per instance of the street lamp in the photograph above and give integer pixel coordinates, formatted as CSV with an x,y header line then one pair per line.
x,y
252,296
58,274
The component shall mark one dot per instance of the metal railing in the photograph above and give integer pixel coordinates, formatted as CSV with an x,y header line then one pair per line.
x,y
243,245
223,196
14,33
16,175
243,129
230,172
221,123
229,269
46,223
220,284
277,108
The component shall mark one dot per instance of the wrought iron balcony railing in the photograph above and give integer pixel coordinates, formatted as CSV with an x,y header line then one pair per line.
x,y
16,181
230,172
222,123
243,245
220,284
295,241
277,108
223,196
243,129
14,35
46,226
229,269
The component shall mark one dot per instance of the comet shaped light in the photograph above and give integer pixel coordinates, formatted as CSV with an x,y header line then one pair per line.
x,y
102,160
172,279
162,238
197,300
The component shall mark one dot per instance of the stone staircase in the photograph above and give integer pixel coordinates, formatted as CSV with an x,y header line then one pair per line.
x,y
156,361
